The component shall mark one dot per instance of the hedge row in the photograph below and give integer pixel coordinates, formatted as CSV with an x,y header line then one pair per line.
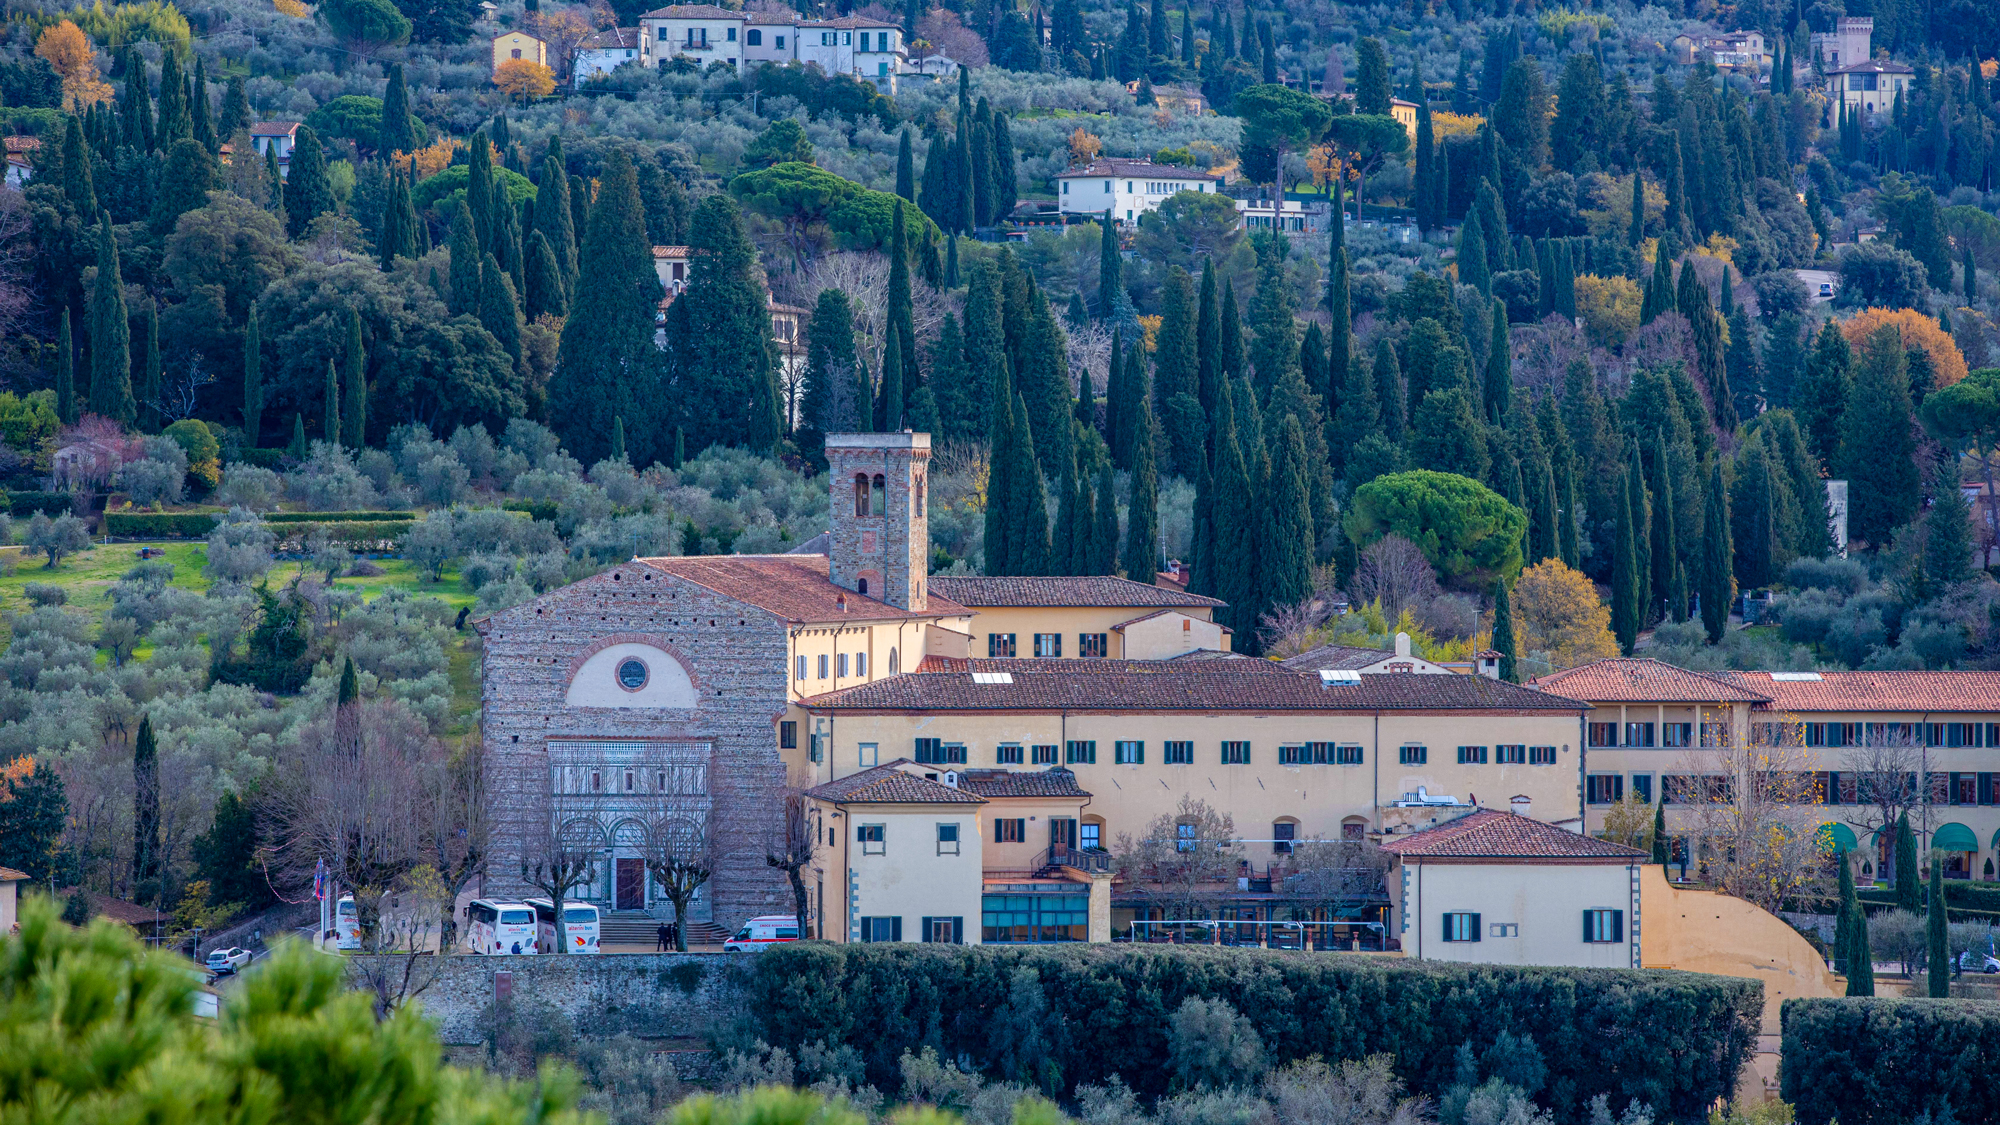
x,y
262,458
28,503
537,509
1675,1040
1966,901
159,525
1884,1061
368,534
338,517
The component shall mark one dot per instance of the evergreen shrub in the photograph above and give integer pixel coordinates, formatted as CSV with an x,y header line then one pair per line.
x,y
1882,1060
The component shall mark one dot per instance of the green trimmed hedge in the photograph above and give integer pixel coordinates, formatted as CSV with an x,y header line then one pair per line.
x,y
347,533
1883,1061
262,458
52,503
338,517
1675,1040
544,510
159,525
1966,901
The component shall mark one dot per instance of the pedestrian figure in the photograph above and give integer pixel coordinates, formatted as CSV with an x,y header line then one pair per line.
x,y
666,936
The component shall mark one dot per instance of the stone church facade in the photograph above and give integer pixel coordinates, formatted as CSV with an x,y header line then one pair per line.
x,y
653,697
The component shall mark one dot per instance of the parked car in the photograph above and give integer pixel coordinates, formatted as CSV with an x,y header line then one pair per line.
x,y
760,933
225,961
1826,289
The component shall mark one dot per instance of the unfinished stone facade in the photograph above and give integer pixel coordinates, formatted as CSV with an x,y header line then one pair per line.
x,y
553,746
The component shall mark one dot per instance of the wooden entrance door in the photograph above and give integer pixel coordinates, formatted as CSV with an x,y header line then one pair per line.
x,y
631,885
1062,833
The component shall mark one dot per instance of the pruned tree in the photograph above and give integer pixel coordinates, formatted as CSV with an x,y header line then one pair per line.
x,y
790,849
1185,861
1752,814
1332,875
681,849
456,840
1887,776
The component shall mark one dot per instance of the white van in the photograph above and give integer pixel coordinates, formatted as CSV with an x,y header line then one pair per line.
x,y
580,925
763,932
500,927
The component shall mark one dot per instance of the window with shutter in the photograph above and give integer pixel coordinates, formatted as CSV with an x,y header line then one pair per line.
x,y
1461,926
1603,927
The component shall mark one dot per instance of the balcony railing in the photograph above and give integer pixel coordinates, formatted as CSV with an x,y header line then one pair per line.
x,y
1095,862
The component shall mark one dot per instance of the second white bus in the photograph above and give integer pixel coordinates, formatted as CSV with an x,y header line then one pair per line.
x,y
580,925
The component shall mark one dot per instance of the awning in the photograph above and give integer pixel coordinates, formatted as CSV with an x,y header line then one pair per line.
x,y
1954,837
1838,837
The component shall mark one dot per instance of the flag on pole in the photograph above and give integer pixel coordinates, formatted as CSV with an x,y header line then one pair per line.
x,y
319,880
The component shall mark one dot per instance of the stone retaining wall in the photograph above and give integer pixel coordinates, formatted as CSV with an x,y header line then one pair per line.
x,y
647,995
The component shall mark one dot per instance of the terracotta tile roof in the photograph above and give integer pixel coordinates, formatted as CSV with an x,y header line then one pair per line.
x,y
611,39
794,587
18,143
1056,781
1347,657
1876,691
9,875
1639,680
1497,834
1122,625
1066,592
888,785
1054,685
1113,166
116,909
672,252
691,12
774,19
1872,66
274,128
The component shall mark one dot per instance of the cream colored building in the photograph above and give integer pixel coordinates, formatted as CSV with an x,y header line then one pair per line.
x,y
10,904
1501,888
519,45
903,854
1655,727
1868,87
1084,617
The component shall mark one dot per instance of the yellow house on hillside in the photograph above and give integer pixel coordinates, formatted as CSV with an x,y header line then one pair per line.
x,y
519,45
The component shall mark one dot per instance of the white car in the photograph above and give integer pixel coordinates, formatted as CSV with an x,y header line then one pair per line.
x,y
763,932
224,961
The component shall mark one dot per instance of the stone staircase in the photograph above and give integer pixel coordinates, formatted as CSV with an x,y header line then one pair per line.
x,y
632,927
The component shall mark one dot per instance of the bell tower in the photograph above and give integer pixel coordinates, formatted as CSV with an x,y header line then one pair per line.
x,y
879,523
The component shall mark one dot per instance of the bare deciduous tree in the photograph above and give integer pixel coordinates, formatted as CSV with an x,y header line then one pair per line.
x,y
1888,774
1185,861
790,849
1289,630
1753,812
562,850
1394,572
681,848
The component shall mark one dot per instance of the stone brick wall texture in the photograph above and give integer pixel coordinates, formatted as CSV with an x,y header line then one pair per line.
x,y
647,995
735,653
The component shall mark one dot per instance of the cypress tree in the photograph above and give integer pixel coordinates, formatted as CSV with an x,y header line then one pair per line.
x,y
297,448
499,309
1909,893
66,411
1339,305
1824,390
951,262
1659,294
1860,957
1006,177
253,380
176,123
1389,390
1119,410
1843,920
1110,271
554,221
307,192
1231,338
1499,366
1103,553
544,279
889,407
901,316
1003,465
1208,340
1030,508
330,413
189,173
465,261
146,866
354,391
906,174
1311,367
1472,267
1275,340
985,348
77,182
1625,584
137,104
963,195
276,203
1177,370
235,109
1662,853
1358,415
1284,563
1542,493
610,320
1668,595
1571,542
110,333
1232,516
618,451
199,109
1936,930
727,326
398,132
1718,581
149,379
1503,633
1877,449
1753,511
1971,276
479,190
1064,545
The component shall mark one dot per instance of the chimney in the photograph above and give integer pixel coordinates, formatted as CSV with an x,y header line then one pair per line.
x,y
1402,644
1519,804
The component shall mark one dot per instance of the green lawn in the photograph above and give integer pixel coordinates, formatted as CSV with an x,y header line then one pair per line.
x,y
89,576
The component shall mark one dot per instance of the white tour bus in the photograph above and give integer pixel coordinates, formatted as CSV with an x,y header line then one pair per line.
x,y
347,923
580,925
500,927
